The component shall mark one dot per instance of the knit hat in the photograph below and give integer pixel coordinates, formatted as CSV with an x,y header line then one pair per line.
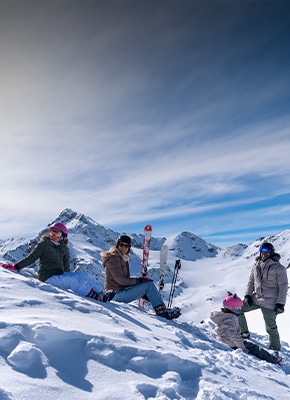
x,y
232,302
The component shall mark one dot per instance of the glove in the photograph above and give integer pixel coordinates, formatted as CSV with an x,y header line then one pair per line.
x,y
8,266
143,279
279,308
248,301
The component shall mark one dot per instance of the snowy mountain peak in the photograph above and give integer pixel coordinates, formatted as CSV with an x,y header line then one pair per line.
x,y
188,246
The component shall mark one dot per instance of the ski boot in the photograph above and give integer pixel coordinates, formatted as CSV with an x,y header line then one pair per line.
x,y
168,313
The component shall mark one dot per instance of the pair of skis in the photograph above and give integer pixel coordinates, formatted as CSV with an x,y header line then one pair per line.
x,y
145,258
163,262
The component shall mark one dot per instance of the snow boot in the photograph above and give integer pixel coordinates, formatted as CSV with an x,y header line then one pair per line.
x,y
168,313
103,296
276,355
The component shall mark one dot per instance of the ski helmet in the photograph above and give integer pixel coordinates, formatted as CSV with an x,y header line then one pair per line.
x,y
59,226
233,302
124,239
267,248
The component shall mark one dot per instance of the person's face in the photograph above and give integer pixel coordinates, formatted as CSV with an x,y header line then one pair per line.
x,y
55,235
123,247
265,255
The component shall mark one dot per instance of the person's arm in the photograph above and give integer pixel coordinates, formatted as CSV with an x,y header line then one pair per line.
x,y
233,333
31,258
66,260
250,285
282,282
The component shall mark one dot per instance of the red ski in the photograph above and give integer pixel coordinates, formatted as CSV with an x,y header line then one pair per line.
x,y
146,248
145,257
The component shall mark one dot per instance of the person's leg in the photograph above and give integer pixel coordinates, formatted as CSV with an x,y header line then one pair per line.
x,y
260,353
149,289
79,282
132,293
242,319
271,328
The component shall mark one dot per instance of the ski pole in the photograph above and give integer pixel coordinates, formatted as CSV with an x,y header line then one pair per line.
x,y
173,284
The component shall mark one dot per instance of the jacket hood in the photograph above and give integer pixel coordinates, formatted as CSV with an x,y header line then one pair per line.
x,y
113,251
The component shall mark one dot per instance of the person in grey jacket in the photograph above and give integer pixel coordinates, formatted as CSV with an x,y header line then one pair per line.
x,y
266,290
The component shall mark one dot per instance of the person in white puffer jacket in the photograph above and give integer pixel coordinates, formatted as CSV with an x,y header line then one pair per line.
x,y
266,290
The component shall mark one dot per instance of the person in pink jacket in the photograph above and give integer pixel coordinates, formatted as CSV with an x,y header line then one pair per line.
x,y
228,330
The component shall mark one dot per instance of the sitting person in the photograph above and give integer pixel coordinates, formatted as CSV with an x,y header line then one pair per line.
x,y
127,288
54,265
228,330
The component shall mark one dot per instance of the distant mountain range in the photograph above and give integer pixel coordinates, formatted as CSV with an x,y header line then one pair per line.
x,y
87,239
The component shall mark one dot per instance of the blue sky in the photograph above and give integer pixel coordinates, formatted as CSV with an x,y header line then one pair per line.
x,y
173,113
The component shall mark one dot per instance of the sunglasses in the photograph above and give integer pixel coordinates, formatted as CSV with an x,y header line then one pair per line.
x,y
124,245
265,250
55,233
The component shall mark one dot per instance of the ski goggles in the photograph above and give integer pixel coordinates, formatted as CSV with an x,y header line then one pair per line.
x,y
265,250
55,233
124,245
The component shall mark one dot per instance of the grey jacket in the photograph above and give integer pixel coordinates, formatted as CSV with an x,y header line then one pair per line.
x,y
227,329
53,259
268,283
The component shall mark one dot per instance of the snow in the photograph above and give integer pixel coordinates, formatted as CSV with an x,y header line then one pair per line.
x,y
54,344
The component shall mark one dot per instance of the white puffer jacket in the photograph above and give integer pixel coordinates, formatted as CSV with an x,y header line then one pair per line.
x,y
268,283
227,329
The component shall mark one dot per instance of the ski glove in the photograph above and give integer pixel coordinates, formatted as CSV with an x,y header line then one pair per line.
x,y
248,301
279,308
143,279
9,266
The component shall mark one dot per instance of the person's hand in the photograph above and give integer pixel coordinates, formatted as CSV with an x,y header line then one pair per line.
x,y
8,266
143,279
279,308
248,301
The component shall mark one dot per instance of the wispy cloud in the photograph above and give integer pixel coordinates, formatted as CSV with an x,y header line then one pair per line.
x,y
165,113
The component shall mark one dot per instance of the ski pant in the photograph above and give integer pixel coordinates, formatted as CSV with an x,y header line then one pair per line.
x,y
270,323
131,293
79,282
259,352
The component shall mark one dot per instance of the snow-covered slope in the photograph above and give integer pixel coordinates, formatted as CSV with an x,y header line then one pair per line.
x,y
54,344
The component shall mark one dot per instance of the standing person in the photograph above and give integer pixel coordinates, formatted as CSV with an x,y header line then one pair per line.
x,y
266,290
228,330
117,278
54,265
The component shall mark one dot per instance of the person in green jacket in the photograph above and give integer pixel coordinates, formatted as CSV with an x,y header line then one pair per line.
x,y
52,252
54,266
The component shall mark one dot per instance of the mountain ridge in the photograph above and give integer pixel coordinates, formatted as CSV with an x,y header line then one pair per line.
x,y
88,238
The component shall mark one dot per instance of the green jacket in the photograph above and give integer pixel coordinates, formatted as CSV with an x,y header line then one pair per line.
x,y
53,259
